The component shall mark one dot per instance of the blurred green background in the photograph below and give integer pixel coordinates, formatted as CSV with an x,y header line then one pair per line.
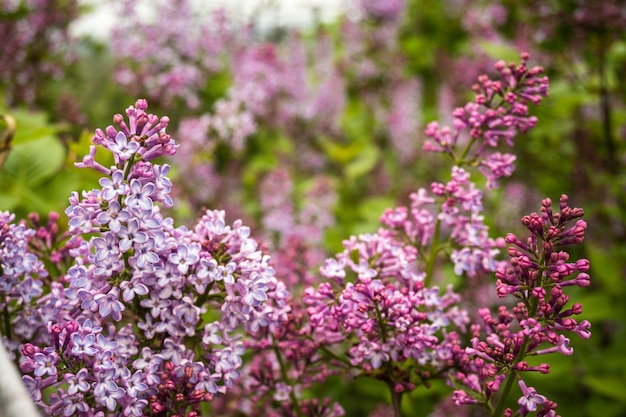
x,y
577,147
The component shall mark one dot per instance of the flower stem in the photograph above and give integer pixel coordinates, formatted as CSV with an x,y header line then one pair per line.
x,y
504,394
396,399
508,383
432,258
287,380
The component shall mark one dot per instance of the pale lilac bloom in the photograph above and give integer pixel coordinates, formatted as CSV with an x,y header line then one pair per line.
x,y
184,257
155,304
110,305
529,399
208,382
145,253
188,313
149,219
114,186
122,148
107,246
33,386
114,216
211,334
131,234
147,326
80,218
132,288
45,363
77,382
104,361
334,269
107,392
135,384
136,407
173,351
83,344
140,195
225,273
163,184
74,405
255,290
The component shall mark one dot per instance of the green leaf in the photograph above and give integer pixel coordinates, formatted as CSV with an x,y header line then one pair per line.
x,y
363,163
32,126
610,386
596,306
605,266
500,51
36,161
339,153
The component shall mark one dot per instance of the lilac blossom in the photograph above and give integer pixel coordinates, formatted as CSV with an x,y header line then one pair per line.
x,y
535,276
128,264
114,186
497,114
114,216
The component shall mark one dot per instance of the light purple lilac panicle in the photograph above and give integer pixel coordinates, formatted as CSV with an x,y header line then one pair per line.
x,y
128,332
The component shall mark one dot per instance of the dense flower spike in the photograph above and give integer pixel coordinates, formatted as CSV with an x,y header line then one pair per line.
x,y
35,34
537,275
498,112
134,320
22,282
396,328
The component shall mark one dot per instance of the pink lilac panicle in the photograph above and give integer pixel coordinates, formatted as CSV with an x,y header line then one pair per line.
x,y
498,112
537,275
376,312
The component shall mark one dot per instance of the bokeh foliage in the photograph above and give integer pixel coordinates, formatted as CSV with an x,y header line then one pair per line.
x,y
577,148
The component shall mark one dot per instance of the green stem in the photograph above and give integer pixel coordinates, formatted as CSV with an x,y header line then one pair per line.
x,y
335,356
7,322
204,297
461,158
504,394
286,379
396,399
432,258
510,379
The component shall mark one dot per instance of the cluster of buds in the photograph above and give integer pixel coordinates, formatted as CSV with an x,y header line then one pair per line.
x,y
537,274
498,112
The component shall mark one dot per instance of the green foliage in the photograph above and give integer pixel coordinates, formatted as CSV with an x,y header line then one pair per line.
x,y
570,151
28,180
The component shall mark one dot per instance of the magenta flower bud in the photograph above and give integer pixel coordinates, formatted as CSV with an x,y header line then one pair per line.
x,y
582,329
111,132
583,280
539,293
54,330
29,350
582,265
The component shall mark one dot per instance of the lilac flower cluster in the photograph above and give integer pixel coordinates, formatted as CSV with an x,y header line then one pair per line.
x,y
286,359
35,35
375,313
147,319
397,329
498,113
21,285
170,61
537,274
460,206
